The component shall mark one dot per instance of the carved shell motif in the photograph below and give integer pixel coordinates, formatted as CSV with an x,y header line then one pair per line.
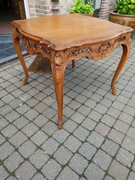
x,y
57,64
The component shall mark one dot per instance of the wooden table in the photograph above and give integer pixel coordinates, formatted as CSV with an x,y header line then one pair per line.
x,y
63,38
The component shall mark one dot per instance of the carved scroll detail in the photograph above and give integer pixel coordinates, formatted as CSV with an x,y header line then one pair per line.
x,y
97,51
57,64
33,47
78,51
120,39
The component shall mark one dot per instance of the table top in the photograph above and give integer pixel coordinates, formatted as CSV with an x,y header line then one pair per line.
x,y
65,31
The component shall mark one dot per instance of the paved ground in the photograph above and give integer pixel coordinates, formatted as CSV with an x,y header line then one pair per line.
x,y
98,137
7,51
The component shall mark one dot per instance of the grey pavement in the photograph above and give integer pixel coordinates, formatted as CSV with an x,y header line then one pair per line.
x,y
97,141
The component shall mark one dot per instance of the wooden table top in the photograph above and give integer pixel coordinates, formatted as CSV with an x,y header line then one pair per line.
x,y
65,31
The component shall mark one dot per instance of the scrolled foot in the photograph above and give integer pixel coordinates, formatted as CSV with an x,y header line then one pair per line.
x,y
113,91
60,124
25,81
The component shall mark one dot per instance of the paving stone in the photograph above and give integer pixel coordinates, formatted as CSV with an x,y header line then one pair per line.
x,y
129,144
108,120
72,143
96,116
60,136
89,124
81,133
5,110
17,93
131,133
125,157
40,120
96,97
131,176
50,146
31,114
63,155
110,147
1,103
84,110
67,174
68,112
8,98
133,166
95,139
78,163
80,98
126,118
24,98
102,129
102,159
9,131
11,178
116,136
3,123
131,102
113,112
101,109
3,173
108,178
20,122
32,102
133,123
27,149
38,176
33,91
39,158
82,178
18,139
93,172
126,94
49,100
25,171
41,107
78,117
51,169
12,116
90,103
50,113
39,138
5,150
2,139
121,126
129,110
30,129
23,109
3,92
87,150
49,128
118,171
13,161
70,126
106,102
118,105
40,95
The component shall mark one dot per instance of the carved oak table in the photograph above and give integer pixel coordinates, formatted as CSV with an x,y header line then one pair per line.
x,y
68,37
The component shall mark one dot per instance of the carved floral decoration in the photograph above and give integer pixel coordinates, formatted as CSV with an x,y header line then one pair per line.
x,y
32,46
